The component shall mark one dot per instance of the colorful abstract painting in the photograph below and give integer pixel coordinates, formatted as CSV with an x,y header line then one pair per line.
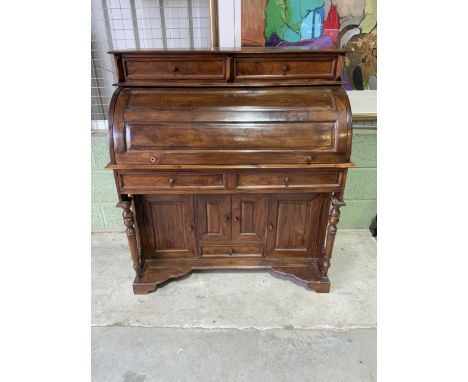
x,y
348,24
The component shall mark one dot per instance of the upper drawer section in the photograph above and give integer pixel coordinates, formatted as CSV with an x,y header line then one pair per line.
x,y
219,67
174,68
285,68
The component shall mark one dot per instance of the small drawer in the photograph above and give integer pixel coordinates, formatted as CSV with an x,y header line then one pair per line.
x,y
231,251
134,182
256,68
166,68
272,179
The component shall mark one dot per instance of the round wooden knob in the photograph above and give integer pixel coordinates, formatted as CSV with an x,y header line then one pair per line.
x,y
285,67
174,69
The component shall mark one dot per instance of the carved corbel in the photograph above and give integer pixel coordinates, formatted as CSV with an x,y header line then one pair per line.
x,y
128,219
333,219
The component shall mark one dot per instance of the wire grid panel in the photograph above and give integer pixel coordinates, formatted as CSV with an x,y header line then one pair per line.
x,y
130,24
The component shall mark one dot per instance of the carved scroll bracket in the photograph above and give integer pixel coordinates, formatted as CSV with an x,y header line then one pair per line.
x,y
333,219
128,219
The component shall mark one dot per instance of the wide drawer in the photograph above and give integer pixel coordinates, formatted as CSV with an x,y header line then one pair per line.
x,y
141,181
231,251
286,68
288,179
172,68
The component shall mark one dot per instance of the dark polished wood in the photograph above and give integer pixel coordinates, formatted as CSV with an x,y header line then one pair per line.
x,y
292,222
229,67
333,219
128,219
230,158
167,225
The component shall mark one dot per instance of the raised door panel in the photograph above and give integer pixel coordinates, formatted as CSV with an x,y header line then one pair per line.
x,y
249,213
213,217
169,225
293,224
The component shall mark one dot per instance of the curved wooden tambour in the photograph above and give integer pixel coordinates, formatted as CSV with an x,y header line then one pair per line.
x,y
232,158
231,126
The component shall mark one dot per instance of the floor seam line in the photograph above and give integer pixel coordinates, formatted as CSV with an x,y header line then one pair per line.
x,y
324,328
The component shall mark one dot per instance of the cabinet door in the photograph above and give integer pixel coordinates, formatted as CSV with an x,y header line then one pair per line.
x,y
293,224
249,213
169,225
213,217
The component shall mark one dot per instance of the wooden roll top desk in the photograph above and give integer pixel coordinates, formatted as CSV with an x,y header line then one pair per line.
x,y
230,159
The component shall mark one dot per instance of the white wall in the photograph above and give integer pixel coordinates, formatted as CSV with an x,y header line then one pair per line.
x,y
229,22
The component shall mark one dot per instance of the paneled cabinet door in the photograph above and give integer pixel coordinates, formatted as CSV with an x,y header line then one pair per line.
x,y
293,224
213,217
168,225
249,213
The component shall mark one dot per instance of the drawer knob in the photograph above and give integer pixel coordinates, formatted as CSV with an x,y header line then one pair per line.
x,y
236,218
285,67
190,227
153,159
171,181
286,181
270,227
227,218
174,69
230,251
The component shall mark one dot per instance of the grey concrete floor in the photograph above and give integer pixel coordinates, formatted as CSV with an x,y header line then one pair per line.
x,y
235,325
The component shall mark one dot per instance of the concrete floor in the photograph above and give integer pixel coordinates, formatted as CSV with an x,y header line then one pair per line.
x,y
235,325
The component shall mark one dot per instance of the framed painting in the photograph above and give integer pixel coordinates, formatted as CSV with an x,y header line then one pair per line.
x,y
348,24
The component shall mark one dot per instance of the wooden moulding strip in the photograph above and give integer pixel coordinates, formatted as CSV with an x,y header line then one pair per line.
x,y
111,166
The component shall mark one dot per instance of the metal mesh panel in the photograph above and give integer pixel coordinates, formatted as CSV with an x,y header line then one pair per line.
x,y
128,24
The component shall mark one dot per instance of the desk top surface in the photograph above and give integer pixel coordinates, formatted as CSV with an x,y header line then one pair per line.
x,y
246,50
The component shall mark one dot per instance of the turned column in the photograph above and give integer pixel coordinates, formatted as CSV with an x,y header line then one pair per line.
x,y
333,219
127,215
